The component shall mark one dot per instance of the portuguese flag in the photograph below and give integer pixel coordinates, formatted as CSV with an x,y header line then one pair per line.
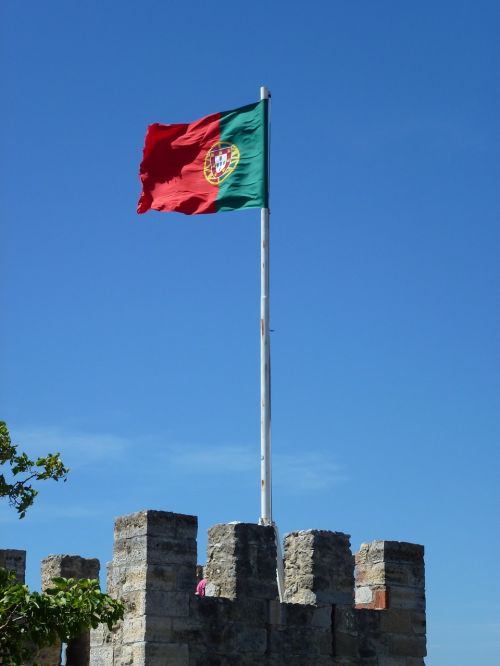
x,y
214,164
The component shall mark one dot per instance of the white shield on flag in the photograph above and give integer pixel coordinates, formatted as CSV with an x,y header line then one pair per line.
x,y
220,162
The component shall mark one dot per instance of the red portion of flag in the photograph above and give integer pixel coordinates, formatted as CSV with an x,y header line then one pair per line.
x,y
172,167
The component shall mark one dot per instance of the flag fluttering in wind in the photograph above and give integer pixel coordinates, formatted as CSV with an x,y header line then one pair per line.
x,y
214,164
219,163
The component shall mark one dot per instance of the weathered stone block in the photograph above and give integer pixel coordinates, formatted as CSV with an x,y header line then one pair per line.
x,y
373,642
133,629
372,597
241,639
97,637
364,595
153,571
154,550
418,623
370,553
407,646
391,661
303,660
156,523
300,640
297,613
406,598
276,614
402,551
14,560
165,654
396,621
68,566
148,628
345,619
188,630
241,561
410,574
101,656
254,612
350,660
156,602
390,575
322,617
370,574
345,645
318,568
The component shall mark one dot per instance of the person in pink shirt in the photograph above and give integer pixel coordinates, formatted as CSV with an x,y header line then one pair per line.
x,y
200,587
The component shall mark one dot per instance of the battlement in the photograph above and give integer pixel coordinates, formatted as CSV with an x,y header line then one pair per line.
x,y
338,610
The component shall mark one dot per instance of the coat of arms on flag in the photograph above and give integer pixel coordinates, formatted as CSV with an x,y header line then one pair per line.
x,y
220,161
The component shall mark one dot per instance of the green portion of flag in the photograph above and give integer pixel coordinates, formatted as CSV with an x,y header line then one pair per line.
x,y
247,186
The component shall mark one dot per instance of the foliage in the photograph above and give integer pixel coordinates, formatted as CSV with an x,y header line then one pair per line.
x,y
22,471
30,620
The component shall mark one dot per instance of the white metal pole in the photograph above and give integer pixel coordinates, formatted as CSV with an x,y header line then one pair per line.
x,y
266,517
265,374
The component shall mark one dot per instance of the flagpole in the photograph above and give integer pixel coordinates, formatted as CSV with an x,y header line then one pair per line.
x,y
265,357
266,516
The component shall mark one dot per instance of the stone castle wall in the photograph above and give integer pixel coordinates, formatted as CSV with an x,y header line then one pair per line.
x,y
338,610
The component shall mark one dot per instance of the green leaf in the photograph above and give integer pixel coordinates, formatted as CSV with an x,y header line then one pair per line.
x,y
41,619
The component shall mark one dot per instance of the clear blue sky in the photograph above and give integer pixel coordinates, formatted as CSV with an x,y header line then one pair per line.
x,y
131,344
